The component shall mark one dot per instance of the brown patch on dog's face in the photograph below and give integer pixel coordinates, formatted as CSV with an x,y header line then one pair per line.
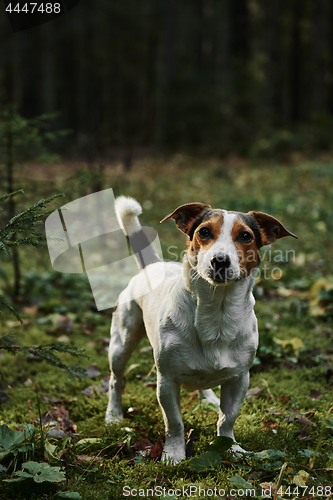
x,y
246,245
206,233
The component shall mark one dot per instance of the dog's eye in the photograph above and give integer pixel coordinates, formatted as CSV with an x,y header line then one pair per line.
x,y
245,237
204,232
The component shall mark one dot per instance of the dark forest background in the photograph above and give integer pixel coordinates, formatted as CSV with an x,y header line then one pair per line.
x,y
215,76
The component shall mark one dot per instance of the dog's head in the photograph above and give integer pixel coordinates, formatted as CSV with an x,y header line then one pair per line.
x,y
224,246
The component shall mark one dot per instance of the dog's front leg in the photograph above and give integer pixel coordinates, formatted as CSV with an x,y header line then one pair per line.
x,y
232,395
168,395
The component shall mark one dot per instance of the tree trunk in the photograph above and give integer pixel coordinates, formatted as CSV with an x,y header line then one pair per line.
x,y
272,50
47,65
240,29
165,72
319,56
222,44
11,202
295,63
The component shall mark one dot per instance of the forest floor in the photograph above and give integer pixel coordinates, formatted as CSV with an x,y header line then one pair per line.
x,y
284,421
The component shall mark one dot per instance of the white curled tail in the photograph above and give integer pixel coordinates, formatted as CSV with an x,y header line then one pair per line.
x,y
128,210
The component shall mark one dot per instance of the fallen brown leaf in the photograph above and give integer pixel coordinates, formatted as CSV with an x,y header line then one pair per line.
x,y
157,448
284,399
93,371
89,329
303,419
143,447
269,424
59,417
31,310
315,394
89,391
225,462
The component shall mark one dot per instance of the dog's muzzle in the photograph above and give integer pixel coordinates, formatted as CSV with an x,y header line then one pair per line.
x,y
221,270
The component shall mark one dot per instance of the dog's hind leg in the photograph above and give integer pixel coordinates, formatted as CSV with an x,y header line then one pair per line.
x,y
127,330
209,396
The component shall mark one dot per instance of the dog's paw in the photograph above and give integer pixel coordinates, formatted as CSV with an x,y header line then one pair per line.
x,y
173,459
110,418
174,451
237,450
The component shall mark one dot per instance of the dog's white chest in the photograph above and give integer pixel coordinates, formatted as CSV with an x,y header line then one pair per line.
x,y
215,362
209,342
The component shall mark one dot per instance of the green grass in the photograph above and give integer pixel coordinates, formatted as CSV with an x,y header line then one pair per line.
x,y
298,195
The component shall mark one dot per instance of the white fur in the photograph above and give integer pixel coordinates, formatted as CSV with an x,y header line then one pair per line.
x,y
127,211
202,335
223,245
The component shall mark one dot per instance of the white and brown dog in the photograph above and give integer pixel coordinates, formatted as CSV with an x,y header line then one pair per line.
x,y
200,320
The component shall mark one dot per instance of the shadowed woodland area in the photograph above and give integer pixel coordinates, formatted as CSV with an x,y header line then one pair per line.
x,y
226,102
247,76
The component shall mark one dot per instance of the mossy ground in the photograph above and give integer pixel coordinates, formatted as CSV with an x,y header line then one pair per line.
x,y
300,196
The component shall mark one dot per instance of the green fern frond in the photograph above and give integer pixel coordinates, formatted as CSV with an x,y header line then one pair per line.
x,y
4,303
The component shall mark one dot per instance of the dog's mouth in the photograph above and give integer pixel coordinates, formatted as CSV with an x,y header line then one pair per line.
x,y
223,276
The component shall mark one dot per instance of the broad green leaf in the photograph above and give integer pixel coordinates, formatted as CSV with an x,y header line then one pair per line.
x,y
221,444
9,438
74,495
2,468
272,465
29,430
270,454
240,482
41,472
208,460
10,441
307,453
22,474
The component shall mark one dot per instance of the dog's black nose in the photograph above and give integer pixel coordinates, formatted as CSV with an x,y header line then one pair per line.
x,y
220,262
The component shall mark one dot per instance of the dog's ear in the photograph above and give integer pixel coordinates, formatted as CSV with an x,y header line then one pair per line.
x,y
270,228
185,215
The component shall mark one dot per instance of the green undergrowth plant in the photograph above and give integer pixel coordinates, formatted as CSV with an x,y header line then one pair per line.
x,y
21,230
